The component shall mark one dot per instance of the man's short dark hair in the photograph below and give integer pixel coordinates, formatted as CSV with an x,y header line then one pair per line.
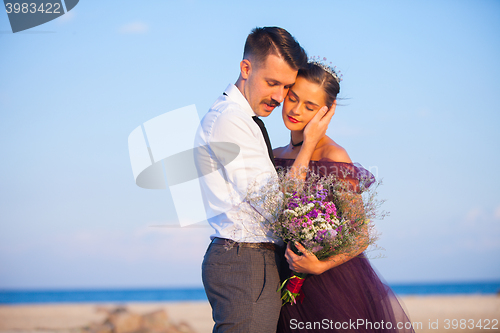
x,y
262,42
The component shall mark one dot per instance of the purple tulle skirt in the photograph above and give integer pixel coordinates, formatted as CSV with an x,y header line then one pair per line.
x,y
347,298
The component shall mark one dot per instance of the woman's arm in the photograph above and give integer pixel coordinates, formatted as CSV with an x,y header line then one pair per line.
x,y
308,262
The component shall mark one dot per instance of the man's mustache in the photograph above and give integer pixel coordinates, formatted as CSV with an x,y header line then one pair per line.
x,y
272,103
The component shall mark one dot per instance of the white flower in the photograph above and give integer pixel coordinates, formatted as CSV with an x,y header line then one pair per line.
x,y
290,212
302,210
309,235
325,226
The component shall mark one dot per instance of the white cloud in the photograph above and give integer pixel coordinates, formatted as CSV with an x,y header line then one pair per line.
x,y
144,256
143,244
473,215
134,28
478,232
497,213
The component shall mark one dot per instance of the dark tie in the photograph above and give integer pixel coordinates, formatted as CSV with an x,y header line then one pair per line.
x,y
266,137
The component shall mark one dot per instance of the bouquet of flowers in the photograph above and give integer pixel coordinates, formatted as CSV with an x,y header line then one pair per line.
x,y
328,216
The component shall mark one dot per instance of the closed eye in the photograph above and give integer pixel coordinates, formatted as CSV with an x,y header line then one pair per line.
x,y
292,97
311,106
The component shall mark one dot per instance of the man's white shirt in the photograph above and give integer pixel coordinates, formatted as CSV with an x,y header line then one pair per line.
x,y
240,164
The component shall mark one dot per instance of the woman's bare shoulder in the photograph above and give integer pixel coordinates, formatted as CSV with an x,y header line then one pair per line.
x,y
278,151
335,152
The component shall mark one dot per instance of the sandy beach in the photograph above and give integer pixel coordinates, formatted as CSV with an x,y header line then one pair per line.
x,y
428,313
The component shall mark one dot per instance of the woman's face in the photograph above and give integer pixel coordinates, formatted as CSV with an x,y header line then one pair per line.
x,y
303,101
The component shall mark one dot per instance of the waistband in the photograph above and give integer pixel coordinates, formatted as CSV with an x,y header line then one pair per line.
x,y
267,246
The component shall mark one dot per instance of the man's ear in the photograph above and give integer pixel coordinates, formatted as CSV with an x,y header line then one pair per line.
x,y
245,68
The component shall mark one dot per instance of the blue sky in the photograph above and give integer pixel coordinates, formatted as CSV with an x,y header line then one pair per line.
x,y
419,108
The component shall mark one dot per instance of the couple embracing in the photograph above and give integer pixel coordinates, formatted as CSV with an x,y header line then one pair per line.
x,y
241,280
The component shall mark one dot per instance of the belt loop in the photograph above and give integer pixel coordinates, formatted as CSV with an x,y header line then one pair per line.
x,y
238,247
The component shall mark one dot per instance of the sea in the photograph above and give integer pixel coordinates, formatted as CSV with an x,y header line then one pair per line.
x,y
198,294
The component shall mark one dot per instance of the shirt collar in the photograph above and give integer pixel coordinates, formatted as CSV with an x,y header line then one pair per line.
x,y
234,94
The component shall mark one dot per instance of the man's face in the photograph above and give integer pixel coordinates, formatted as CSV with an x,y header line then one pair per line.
x,y
267,84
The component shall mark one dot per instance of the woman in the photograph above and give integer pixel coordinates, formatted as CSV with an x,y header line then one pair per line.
x,y
342,293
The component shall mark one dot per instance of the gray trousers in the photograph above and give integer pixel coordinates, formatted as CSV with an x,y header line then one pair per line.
x,y
241,285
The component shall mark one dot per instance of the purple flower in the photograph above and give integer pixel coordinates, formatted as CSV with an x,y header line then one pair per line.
x,y
322,194
330,208
320,235
313,214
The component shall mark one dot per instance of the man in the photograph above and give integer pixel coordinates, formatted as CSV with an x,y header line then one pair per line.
x,y
241,281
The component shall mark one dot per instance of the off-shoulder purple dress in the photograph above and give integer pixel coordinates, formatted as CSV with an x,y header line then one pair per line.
x,y
350,297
